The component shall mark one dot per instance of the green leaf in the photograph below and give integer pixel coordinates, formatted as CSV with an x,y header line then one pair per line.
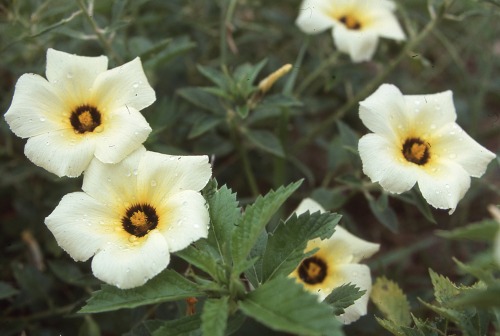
x,y
7,290
349,138
247,73
89,327
254,220
391,301
173,49
214,316
444,289
286,245
485,230
415,198
167,286
203,260
390,326
266,141
486,298
224,216
215,76
342,297
179,327
330,198
147,328
204,124
283,305
254,273
243,111
70,273
383,212
204,100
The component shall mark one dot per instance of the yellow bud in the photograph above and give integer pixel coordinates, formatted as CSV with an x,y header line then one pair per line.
x,y
269,81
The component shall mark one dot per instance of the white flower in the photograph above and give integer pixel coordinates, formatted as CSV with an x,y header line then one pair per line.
x,y
80,111
357,24
133,214
336,263
416,139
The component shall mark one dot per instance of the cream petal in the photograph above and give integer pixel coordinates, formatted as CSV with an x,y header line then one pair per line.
x,y
123,132
186,219
313,17
80,225
454,144
126,266
163,175
74,75
360,45
429,112
443,184
61,152
356,247
114,184
384,112
383,163
384,24
358,275
125,85
308,204
35,108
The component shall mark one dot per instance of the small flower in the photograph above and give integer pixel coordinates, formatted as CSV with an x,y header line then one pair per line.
x,y
133,214
416,139
336,263
357,24
80,111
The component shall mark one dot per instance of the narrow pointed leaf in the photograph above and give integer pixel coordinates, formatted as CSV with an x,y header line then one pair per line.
x,y
266,141
342,297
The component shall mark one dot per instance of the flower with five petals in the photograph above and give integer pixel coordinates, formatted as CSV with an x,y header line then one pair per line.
x,y
80,111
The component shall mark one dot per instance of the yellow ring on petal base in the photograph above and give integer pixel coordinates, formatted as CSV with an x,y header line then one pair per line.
x,y
416,150
85,118
140,219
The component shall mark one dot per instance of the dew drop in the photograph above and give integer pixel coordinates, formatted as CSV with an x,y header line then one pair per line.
x,y
447,186
135,172
132,238
136,133
109,179
126,204
129,173
196,226
47,143
172,158
101,222
118,229
185,203
135,85
433,127
153,183
42,119
127,270
99,129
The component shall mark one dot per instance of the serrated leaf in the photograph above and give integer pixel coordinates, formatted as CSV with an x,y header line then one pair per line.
x,y
214,316
204,100
391,301
180,327
485,230
486,298
266,141
283,305
390,326
204,124
383,212
7,290
464,321
286,245
254,220
167,286
203,260
342,297
254,273
444,289
224,215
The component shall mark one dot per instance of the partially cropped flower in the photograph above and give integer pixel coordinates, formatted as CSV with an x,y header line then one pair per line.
x,y
336,263
80,111
133,214
356,24
416,139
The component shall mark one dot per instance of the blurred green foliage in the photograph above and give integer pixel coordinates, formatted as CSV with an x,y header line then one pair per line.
x,y
204,59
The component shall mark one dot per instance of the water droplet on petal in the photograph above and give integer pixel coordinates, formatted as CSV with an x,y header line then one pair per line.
x,y
135,85
132,238
433,127
184,203
99,129
136,172
42,119
153,183
129,173
127,270
447,186
69,75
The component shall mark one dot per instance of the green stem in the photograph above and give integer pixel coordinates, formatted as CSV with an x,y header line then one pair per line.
x,y
280,163
243,154
105,43
225,21
319,71
370,87
44,314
